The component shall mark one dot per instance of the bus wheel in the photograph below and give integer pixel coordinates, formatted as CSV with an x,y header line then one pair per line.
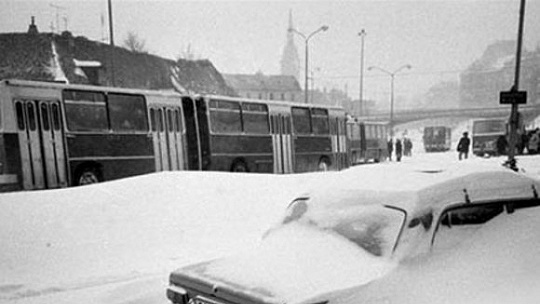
x,y
88,176
324,164
239,166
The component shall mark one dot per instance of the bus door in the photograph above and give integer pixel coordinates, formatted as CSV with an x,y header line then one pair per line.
x,y
167,138
159,138
341,144
282,143
197,133
41,144
174,138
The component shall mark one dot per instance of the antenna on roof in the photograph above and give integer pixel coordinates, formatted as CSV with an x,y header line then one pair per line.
x,y
57,9
535,192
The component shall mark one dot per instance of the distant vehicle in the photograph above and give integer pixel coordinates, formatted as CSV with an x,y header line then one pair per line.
x,y
55,135
437,138
367,141
485,133
347,235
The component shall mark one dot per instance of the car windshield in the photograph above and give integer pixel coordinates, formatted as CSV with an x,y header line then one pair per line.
x,y
374,228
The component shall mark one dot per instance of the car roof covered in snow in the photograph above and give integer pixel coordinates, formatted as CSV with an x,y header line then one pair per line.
x,y
415,189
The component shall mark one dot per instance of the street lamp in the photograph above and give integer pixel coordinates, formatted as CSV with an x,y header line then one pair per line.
x,y
306,41
362,34
392,75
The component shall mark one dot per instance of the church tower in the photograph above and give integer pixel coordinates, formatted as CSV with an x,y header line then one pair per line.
x,y
290,63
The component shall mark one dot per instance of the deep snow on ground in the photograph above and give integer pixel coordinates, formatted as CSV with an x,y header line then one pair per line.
x,y
117,242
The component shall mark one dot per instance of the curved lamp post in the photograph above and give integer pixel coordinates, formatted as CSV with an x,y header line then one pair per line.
x,y
306,41
392,75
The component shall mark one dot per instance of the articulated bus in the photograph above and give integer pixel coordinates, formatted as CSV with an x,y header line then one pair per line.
x,y
367,141
231,134
57,135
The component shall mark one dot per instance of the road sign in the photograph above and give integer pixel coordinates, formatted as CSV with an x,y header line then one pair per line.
x,y
513,97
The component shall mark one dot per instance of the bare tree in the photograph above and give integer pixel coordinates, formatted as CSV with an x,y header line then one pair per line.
x,y
134,43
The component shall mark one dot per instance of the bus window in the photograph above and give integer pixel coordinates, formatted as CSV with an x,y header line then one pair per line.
x,y
31,117
320,121
85,111
160,122
153,120
45,117
20,115
301,120
56,117
170,120
225,116
179,123
255,117
127,112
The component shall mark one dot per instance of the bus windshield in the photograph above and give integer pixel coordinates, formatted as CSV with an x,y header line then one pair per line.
x,y
489,126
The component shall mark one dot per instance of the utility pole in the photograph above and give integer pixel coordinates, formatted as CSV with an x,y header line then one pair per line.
x,y
111,34
362,34
514,114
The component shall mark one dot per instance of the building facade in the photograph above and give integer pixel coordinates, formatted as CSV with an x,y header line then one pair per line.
x,y
268,87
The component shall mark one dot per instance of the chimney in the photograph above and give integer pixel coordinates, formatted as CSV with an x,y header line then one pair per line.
x,y
32,28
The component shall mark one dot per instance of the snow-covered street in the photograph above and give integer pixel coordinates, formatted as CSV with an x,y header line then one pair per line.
x,y
117,242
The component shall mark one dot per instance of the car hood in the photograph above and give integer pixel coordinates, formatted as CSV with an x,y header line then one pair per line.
x,y
292,264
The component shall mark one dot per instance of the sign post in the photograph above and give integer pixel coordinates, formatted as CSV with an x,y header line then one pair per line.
x,y
515,97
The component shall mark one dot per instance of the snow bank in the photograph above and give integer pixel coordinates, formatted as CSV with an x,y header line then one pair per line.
x,y
74,238
116,242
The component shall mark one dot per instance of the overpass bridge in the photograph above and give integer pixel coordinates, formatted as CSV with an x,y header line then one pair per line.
x,y
529,113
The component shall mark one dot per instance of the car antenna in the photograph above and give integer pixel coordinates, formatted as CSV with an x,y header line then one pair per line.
x,y
467,199
534,191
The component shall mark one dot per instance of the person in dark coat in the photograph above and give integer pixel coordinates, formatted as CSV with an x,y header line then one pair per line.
x,y
390,149
407,145
463,146
501,145
399,150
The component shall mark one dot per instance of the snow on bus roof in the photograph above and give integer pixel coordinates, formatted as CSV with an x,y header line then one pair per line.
x,y
414,188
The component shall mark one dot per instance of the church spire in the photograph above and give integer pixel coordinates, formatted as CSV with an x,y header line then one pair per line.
x,y
290,62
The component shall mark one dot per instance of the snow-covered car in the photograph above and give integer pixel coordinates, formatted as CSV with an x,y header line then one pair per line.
x,y
355,228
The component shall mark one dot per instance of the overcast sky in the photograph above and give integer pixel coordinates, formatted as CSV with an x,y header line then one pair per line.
x,y
438,38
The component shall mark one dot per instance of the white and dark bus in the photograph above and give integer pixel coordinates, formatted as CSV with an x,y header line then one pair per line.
x,y
367,141
57,135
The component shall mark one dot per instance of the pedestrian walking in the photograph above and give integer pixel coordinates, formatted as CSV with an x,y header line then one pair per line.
x,y
501,145
534,141
407,145
390,146
463,146
399,149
